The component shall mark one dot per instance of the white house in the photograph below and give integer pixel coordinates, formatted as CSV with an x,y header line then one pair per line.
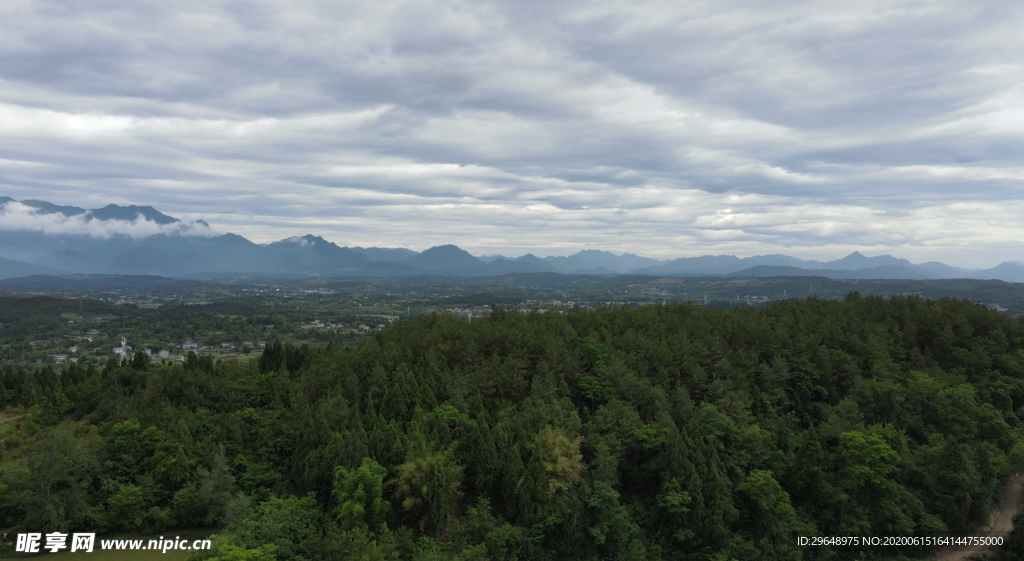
x,y
124,350
190,345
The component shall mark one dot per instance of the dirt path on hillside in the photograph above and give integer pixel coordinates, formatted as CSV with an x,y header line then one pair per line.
x,y
1000,522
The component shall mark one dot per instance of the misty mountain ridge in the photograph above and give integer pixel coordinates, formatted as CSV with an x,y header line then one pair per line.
x,y
395,254
109,212
29,252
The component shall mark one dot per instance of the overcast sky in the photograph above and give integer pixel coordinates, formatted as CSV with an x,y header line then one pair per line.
x,y
665,129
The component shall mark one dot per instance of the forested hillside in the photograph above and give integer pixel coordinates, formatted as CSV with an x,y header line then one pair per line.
x,y
656,432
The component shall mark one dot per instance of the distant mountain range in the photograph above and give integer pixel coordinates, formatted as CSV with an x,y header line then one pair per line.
x,y
109,212
164,246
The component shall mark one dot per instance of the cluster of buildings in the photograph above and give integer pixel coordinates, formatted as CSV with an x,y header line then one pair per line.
x,y
124,350
317,324
247,344
191,345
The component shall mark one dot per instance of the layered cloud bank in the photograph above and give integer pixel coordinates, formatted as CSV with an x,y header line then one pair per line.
x,y
15,216
658,128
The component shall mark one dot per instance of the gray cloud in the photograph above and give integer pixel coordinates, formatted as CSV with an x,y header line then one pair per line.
x,y
659,128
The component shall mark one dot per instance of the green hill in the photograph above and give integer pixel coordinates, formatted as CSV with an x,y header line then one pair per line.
x,y
659,432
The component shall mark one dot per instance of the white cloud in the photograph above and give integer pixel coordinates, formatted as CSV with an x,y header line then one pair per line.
x,y
300,240
16,216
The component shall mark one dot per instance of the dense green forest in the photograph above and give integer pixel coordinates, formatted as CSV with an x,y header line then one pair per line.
x,y
652,432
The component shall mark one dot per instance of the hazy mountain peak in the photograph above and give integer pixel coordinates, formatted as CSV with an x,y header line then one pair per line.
x,y
110,212
447,250
394,254
1009,265
130,213
858,256
858,260
591,260
309,240
446,256
50,208
57,225
11,268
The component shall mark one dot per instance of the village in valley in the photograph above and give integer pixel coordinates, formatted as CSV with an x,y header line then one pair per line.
x,y
226,320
